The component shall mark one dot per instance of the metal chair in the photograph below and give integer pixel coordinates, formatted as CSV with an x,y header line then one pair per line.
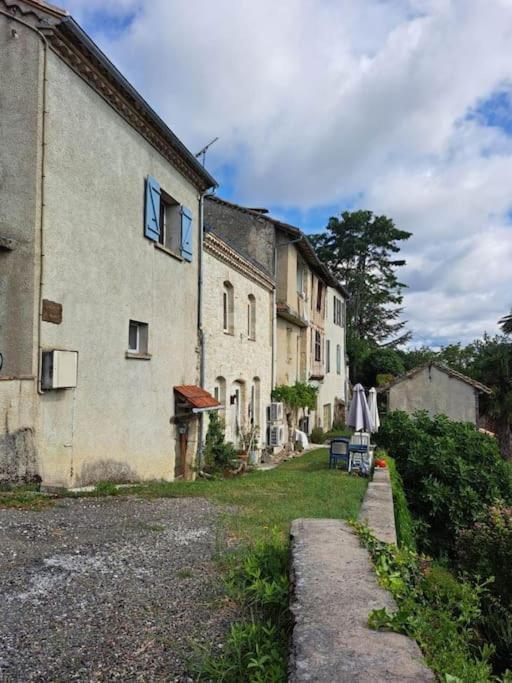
x,y
360,458
339,451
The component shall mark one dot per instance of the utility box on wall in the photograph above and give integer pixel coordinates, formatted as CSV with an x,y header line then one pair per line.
x,y
60,369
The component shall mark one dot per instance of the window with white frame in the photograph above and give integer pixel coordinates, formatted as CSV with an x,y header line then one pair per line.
x,y
138,337
338,359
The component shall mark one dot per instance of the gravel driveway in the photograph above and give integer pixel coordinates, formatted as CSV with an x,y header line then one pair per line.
x,y
108,589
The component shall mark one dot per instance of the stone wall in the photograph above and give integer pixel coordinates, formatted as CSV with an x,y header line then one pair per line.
x,y
18,456
233,360
250,235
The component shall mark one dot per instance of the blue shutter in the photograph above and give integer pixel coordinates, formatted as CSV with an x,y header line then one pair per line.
x,y
152,212
186,233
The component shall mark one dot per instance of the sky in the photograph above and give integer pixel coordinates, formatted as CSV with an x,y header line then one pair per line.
x,y
403,107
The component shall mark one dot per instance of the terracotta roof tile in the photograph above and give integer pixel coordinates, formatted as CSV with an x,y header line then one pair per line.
x,y
196,396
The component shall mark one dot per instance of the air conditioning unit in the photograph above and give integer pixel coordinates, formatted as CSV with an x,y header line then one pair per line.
x,y
275,412
60,369
275,435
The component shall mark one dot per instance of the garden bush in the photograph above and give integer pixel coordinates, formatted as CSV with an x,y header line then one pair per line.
x,y
485,550
450,472
217,453
317,435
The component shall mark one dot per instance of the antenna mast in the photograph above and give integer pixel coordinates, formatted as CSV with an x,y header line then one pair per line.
x,y
202,152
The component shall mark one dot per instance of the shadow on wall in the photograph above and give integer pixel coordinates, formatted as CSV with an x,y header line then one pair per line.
x,y
18,458
107,470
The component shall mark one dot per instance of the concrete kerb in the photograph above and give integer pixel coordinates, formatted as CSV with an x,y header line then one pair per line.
x,y
334,588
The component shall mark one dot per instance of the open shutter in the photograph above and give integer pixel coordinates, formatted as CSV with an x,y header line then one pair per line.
x,y
186,233
152,213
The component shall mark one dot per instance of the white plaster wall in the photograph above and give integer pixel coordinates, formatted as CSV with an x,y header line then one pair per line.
x,y
333,385
99,265
437,393
235,357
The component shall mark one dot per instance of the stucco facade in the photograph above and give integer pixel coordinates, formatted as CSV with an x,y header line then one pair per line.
x,y
438,391
238,351
84,248
332,394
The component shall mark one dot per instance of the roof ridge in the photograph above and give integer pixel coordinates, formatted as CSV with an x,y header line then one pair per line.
x,y
308,251
441,366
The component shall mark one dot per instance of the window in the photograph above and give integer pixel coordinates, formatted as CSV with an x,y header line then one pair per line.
x,y
228,308
319,296
251,317
327,355
219,392
166,222
338,311
338,359
302,279
318,347
137,337
170,223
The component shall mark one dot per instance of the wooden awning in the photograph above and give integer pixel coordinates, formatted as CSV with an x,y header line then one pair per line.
x,y
196,399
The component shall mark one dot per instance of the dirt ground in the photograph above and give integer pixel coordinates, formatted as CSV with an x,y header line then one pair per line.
x,y
107,589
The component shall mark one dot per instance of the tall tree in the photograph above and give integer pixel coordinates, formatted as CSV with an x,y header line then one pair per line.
x,y
492,365
506,323
359,249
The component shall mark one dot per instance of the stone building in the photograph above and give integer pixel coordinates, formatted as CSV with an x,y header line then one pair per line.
x,y
100,260
238,325
439,390
302,282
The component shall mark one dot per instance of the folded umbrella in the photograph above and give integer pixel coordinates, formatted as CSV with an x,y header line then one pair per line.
x,y
374,412
359,417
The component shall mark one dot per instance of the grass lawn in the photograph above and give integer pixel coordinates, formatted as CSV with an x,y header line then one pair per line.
x,y
302,487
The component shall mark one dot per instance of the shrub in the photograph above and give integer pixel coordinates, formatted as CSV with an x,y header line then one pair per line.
x,y
333,433
435,608
317,435
485,548
450,471
217,453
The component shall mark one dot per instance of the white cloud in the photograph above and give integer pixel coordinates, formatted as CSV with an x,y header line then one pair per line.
x,y
318,101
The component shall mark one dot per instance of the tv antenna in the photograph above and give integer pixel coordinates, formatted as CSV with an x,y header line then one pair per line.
x,y
202,152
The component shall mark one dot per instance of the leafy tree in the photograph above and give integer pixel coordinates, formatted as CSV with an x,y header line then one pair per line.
x,y
295,397
506,324
492,365
412,358
359,249
382,361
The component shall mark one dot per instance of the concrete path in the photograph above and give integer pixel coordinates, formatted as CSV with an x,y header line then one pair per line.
x,y
335,589
377,510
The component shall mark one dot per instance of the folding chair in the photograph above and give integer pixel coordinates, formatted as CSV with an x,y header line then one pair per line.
x,y
339,451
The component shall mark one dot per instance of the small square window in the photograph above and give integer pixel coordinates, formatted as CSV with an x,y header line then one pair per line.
x,y
137,337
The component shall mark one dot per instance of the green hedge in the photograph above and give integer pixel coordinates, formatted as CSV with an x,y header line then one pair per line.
x,y
405,529
450,472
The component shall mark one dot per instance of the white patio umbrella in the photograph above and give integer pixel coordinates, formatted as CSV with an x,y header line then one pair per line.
x,y
374,412
359,417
